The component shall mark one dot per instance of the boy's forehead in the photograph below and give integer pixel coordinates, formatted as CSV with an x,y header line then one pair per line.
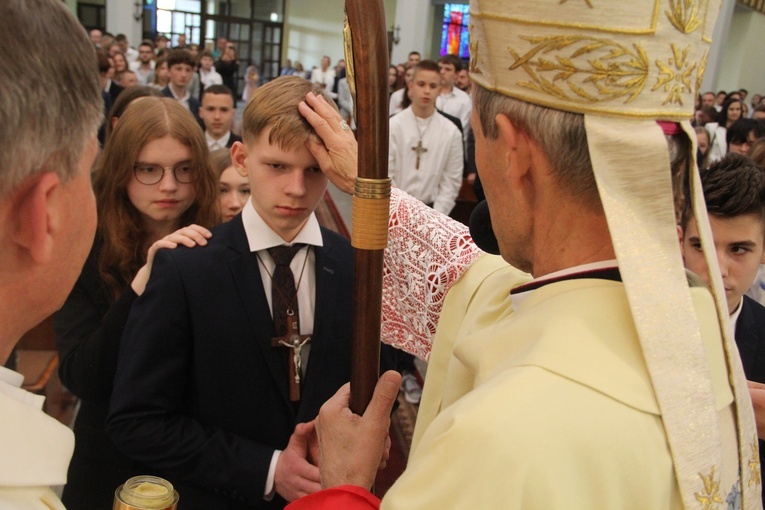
x,y
263,145
211,98
743,228
427,75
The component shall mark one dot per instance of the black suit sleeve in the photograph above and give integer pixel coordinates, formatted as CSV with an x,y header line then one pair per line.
x,y
150,418
88,335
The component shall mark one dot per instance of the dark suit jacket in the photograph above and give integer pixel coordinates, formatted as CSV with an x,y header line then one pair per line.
x,y
750,339
193,104
114,91
107,99
233,138
200,396
88,333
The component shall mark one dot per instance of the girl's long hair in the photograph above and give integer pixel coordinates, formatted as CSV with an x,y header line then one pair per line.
x,y
120,226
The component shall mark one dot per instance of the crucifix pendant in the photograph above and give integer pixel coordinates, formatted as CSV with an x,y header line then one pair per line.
x,y
420,150
295,341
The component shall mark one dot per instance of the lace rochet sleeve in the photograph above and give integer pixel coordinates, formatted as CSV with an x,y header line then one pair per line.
x,y
427,253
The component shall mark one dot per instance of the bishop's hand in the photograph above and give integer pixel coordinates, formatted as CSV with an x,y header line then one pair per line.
x,y
353,447
337,150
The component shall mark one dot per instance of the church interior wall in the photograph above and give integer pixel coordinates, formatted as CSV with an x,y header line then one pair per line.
x,y
413,19
741,66
313,29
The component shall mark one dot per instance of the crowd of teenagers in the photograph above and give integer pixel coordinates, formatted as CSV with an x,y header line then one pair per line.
x,y
725,123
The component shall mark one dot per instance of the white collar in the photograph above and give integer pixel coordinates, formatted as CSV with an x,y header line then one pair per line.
x,y
735,315
261,237
517,298
423,119
592,266
10,385
451,93
222,141
8,376
177,97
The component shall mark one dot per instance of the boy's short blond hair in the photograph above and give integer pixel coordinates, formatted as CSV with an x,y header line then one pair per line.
x,y
275,106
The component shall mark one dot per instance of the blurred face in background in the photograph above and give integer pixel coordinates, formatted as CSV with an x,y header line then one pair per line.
x,y
702,139
392,76
161,73
180,75
145,53
463,80
128,79
734,111
234,192
217,113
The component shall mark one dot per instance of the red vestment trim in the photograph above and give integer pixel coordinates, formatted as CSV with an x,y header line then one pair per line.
x,y
350,497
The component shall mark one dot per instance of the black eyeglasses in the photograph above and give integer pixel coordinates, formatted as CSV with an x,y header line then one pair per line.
x,y
148,174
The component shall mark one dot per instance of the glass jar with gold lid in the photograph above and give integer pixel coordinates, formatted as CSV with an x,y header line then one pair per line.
x,y
145,493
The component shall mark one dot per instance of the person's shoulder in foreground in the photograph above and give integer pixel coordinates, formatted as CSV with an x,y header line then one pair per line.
x,y
47,221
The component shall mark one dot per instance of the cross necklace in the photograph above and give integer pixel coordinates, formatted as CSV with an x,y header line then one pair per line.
x,y
420,149
292,338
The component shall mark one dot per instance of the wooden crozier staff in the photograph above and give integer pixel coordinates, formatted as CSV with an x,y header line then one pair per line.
x,y
366,56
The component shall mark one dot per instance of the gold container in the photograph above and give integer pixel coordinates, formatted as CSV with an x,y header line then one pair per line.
x,y
146,493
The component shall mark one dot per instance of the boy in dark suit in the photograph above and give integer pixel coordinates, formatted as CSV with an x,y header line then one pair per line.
x,y
234,346
217,112
180,66
734,190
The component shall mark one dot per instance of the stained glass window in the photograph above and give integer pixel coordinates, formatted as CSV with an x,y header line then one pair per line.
x,y
454,34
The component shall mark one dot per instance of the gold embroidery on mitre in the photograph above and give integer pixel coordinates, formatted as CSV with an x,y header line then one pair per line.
x,y
710,498
473,43
684,15
636,18
592,68
588,2
706,37
700,73
676,81
755,478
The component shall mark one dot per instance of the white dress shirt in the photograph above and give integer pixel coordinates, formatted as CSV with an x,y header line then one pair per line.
x,y
183,100
458,104
220,143
209,78
327,78
143,76
131,54
394,106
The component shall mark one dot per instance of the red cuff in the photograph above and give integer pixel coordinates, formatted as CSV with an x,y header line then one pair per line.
x,y
350,497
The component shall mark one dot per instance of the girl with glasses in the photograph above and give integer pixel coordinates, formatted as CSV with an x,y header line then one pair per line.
x,y
154,189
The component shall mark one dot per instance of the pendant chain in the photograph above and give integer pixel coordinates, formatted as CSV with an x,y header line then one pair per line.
x,y
297,287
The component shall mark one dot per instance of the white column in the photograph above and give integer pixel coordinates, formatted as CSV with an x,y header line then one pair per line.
x,y
717,51
415,18
120,19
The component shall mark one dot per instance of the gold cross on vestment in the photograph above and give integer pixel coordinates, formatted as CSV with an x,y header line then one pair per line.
x,y
420,150
295,341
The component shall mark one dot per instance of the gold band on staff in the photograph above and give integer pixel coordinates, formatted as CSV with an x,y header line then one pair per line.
x,y
371,208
